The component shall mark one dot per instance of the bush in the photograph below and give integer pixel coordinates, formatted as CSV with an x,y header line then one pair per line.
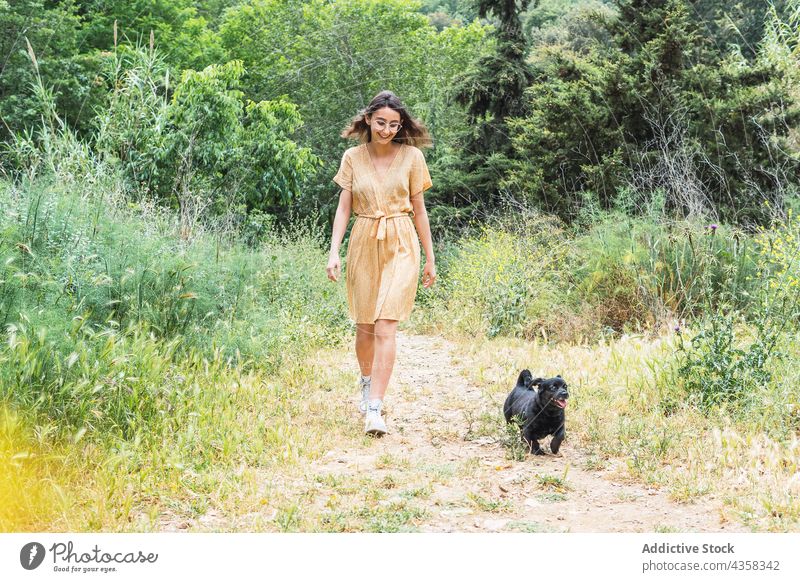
x,y
202,144
642,271
99,301
503,282
716,365
715,369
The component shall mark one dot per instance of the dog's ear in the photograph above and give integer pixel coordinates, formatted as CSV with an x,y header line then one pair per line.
x,y
537,381
558,376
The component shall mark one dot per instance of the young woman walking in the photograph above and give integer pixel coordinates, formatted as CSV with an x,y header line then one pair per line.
x,y
382,181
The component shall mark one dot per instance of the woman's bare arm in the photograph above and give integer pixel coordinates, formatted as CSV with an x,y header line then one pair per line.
x,y
340,222
423,226
341,219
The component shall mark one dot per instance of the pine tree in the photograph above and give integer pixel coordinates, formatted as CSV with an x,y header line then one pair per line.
x,y
490,92
659,42
662,111
726,110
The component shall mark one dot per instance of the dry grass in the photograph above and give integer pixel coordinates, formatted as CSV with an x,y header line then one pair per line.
x,y
307,467
615,412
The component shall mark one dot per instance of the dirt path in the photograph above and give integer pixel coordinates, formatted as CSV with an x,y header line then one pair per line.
x,y
442,464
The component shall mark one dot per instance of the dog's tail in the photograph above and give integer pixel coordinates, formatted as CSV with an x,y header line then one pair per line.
x,y
527,380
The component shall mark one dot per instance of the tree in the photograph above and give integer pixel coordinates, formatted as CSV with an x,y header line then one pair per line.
x,y
53,30
739,24
661,113
179,27
331,58
206,146
490,91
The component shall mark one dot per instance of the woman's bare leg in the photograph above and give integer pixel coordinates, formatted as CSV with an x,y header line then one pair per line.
x,y
385,350
365,347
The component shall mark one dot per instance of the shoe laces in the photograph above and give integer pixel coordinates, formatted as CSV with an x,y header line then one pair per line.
x,y
365,388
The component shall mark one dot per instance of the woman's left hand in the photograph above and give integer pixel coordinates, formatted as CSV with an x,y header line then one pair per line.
x,y
428,274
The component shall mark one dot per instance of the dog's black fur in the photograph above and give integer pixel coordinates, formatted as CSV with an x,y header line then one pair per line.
x,y
538,412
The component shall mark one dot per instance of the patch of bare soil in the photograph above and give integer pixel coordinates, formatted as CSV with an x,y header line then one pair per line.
x,y
459,478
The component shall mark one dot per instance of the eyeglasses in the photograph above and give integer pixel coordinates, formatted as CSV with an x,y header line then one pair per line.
x,y
394,126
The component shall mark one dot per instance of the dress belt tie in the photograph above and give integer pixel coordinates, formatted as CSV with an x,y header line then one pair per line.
x,y
381,217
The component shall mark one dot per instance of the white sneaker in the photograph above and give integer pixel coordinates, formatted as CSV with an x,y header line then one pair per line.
x,y
365,387
374,424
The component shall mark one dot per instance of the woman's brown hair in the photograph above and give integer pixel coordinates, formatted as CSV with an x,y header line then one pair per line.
x,y
413,132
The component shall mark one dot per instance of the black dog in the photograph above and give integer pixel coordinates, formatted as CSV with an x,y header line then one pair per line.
x,y
538,412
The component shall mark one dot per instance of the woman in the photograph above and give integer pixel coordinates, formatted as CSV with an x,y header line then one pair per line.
x,y
382,181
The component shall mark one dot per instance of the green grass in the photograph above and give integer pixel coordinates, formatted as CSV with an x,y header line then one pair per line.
x,y
178,372
552,497
554,483
528,527
391,518
487,504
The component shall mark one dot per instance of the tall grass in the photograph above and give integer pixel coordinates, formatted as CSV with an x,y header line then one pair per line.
x,y
137,356
501,282
539,279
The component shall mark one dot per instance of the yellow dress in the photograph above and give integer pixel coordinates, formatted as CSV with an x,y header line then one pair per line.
x,y
383,255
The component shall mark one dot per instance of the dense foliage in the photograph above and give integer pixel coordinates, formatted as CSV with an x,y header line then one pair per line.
x,y
647,109
566,107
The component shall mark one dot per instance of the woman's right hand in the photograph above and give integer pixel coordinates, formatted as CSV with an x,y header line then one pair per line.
x,y
334,265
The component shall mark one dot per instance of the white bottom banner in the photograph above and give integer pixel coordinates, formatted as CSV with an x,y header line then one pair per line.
x,y
390,557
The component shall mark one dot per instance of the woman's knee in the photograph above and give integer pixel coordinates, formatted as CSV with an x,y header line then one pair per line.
x,y
385,329
365,335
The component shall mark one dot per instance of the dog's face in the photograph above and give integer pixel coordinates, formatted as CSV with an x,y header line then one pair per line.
x,y
553,391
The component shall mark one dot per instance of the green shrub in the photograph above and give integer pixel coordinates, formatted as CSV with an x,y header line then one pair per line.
x,y
717,365
206,146
507,283
642,271
714,368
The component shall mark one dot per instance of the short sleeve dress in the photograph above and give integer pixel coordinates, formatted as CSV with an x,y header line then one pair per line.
x,y
383,255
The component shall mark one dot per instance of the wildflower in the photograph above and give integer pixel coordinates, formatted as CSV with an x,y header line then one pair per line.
x,y
712,227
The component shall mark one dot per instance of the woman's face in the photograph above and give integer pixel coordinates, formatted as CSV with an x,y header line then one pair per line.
x,y
384,124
